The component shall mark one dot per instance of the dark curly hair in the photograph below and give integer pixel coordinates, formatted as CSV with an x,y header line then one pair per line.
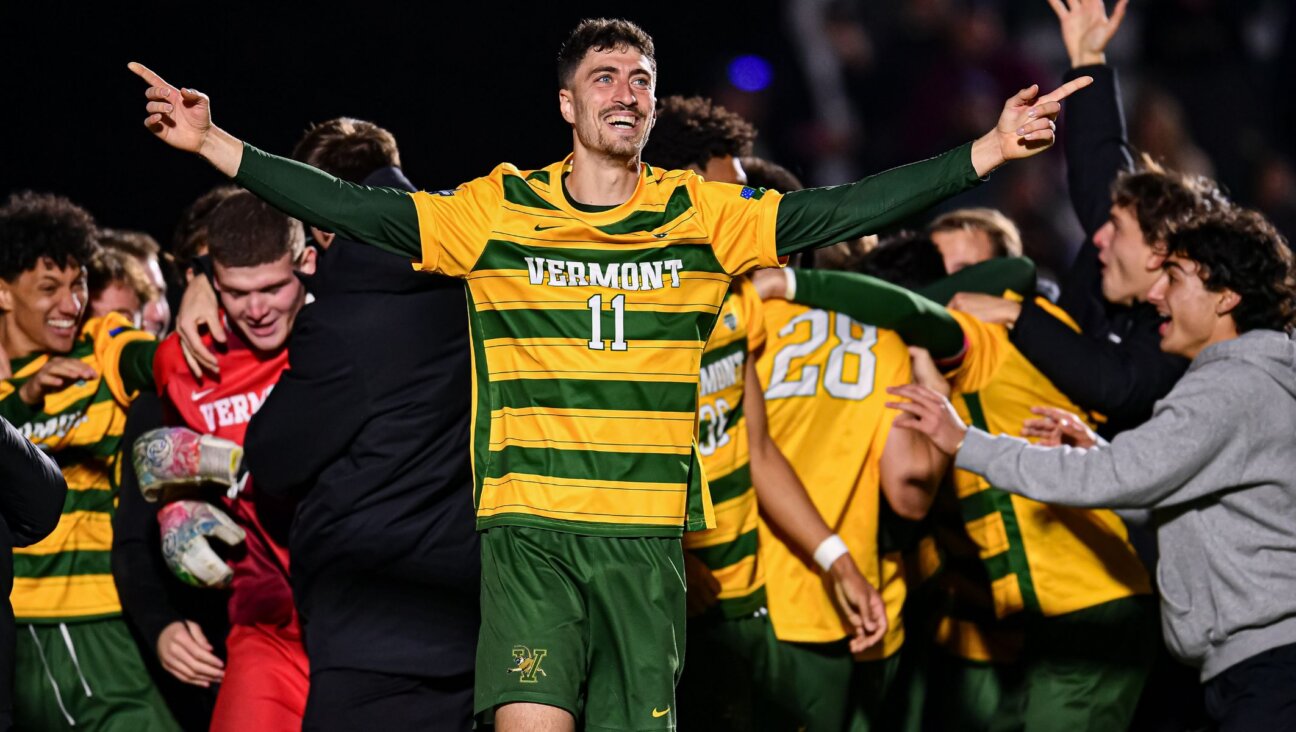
x,y
1163,200
762,173
692,130
1241,251
601,34
36,226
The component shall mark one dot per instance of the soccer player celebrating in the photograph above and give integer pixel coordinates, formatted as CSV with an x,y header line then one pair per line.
x,y
256,253
76,663
1214,464
593,285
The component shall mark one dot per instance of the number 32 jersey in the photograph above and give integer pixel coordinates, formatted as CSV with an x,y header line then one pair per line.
x,y
587,333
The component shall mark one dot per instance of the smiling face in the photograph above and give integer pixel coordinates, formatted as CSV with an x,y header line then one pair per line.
x,y
262,301
1195,317
43,308
610,102
1130,264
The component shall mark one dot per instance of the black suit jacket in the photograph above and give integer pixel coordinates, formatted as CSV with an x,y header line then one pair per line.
x,y
1114,366
368,428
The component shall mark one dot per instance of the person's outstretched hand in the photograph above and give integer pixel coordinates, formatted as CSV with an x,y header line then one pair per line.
x,y
931,414
1026,127
1056,427
1086,29
182,119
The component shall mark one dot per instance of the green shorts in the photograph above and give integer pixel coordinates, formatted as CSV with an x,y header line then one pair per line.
x,y
84,675
593,625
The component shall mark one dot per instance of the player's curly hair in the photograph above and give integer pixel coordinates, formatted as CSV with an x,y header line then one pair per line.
x,y
692,130
350,149
601,34
1163,199
763,173
1241,251
36,226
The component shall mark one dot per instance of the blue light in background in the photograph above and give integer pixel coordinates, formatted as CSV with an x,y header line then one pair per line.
x,y
750,73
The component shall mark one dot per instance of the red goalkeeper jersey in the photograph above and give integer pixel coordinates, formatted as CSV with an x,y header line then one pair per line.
x,y
222,406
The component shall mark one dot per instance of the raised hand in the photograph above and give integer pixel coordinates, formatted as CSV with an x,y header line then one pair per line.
x,y
182,119
57,374
1086,29
1027,126
1055,427
931,414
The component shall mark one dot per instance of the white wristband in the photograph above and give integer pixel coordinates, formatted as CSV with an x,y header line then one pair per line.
x,y
789,275
829,551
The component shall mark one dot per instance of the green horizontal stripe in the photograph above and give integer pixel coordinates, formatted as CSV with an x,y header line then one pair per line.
x,y
732,485
745,606
978,505
100,500
517,191
727,555
715,354
508,255
639,325
63,564
641,396
482,405
624,467
678,205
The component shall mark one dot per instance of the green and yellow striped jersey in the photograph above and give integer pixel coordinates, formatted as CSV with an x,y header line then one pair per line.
x,y
1038,557
68,575
730,550
587,333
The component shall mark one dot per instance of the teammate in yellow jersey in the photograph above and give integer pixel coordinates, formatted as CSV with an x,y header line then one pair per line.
x,y
729,626
826,377
582,514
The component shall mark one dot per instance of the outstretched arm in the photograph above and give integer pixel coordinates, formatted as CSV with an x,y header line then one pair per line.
x,y
384,217
817,217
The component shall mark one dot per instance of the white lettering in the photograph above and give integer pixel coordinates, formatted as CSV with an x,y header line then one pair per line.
x,y
576,274
652,275
209,416
535,268
674,265
556,276
601,278
629,272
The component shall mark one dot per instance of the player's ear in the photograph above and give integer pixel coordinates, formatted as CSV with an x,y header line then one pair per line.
x,y
306,263
566,107
1227,301
6,296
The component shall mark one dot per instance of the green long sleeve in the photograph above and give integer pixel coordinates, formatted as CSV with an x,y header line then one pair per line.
x,y
136,365
817,217
991,277
918,321
383,217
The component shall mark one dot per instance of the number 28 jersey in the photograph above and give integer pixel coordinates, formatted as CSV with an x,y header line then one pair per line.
x,y
587,334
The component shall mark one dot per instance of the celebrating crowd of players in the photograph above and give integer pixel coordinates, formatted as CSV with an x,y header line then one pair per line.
x,y
704,498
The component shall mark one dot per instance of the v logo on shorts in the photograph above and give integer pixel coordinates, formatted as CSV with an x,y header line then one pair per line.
x,y
526,664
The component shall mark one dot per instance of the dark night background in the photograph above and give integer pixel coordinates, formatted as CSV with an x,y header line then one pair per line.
x,y
1208,86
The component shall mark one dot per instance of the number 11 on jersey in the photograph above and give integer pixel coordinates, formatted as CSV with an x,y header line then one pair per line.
x,y
596,322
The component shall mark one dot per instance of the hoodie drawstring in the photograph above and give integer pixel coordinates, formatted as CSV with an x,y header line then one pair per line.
x,y
76,664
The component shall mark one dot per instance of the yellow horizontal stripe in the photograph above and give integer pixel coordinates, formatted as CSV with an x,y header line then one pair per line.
x,y
989,534
584,500
734,518
739,579
1007,596
86,476
79,530
65,597
584,429
597,375
513,289
559,342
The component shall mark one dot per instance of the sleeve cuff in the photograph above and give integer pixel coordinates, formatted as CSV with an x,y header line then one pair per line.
x,y
789,275
978,448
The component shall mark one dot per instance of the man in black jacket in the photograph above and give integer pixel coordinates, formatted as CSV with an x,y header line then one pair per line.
x,y
32,491
369,430
1114,365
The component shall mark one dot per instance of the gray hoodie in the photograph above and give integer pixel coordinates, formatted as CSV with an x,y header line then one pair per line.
x,y
1217,464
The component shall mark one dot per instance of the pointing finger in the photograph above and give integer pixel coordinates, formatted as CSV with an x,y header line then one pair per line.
x,y
147,74
1067,89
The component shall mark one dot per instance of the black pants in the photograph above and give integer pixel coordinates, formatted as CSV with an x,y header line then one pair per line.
x,y
1256,694
341,700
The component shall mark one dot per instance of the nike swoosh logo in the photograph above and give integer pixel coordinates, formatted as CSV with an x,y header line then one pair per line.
x,y
200,394
662,713
546,228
